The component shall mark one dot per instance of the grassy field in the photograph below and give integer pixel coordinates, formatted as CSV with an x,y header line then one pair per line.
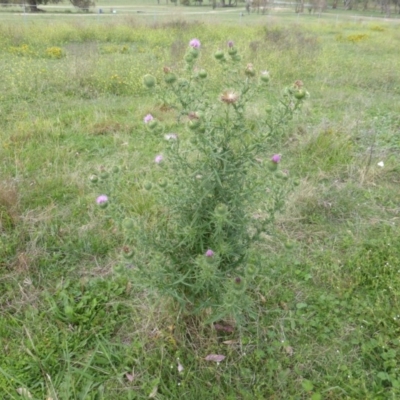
x,y
72,103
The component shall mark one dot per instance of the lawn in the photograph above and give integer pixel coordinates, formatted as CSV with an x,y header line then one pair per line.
x,y
324,318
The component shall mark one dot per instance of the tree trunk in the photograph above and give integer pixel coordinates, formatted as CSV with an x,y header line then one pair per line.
x,y
299,6
32,6
348,4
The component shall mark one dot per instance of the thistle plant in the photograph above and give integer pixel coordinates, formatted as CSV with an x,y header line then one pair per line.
x,y
220,186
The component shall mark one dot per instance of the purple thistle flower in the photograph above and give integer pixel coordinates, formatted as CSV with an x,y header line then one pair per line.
x,y
276,158
209,253
148,118
102,199
195,43
158,158
230,44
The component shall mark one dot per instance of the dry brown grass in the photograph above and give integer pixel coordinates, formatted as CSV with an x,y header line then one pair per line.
x,y
9,214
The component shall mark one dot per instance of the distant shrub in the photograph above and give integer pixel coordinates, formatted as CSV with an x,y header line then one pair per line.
x,y
54,52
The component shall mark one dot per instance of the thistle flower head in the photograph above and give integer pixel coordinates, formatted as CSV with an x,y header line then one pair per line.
x,y
148,118
102,199
193,115
158,159
276,158
209,253
149,81
298,84
230,44
195,43
229,97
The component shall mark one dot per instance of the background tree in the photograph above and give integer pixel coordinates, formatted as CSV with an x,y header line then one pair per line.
x,y
32,5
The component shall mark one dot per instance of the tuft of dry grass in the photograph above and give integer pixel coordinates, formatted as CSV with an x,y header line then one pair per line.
x,y
9,214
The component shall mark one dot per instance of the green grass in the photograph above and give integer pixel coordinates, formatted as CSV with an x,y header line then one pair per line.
x,y
327,322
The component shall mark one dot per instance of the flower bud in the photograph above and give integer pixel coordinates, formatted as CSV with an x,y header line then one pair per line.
x,y
289,245
69,311
104,175
127,223
199,114
300,94
239,284
152,125
194,124
282,175
127,252
170,78
189,58
93,178
251,270
232,51
202,74
219,55
221,210
119,269
183,82
236,57
229,299
163,183
272,166
264,76
148,185
250,71
194,52
149,81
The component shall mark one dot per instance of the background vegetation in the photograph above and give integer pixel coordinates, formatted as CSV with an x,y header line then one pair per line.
x,y
72,103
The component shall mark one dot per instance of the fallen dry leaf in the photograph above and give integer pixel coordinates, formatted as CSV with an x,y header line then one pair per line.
x,y
230,342
180,367
130,377
224,328
24,393
215,357
153,392
289,350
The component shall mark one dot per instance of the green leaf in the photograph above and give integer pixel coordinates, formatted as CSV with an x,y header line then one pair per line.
x,y
307,385
383,375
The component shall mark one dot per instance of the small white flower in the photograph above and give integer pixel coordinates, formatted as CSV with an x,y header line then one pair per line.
x,y
381,164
